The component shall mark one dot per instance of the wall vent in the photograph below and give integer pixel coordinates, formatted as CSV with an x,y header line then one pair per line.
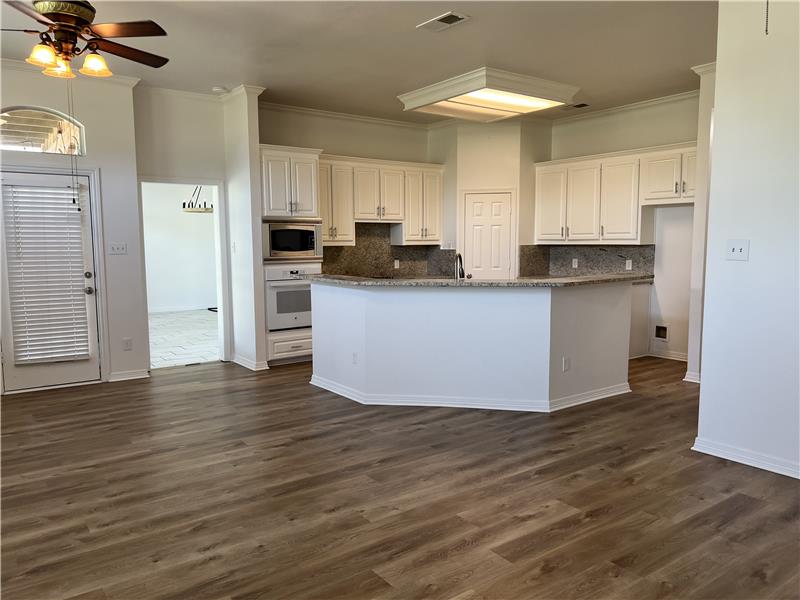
x,y
442,22
574,106
661,333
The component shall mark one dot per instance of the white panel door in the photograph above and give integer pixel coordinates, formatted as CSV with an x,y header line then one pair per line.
x,y
583,201
688,170
342,203
660,176
304,187
551,203
487,236
324,198
276,187
415,210
367,193
619,199
49,333
433,206
392,194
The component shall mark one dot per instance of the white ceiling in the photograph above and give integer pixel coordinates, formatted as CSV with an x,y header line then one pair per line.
x,y
356,57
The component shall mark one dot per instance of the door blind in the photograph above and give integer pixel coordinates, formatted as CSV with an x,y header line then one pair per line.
x,y
44,258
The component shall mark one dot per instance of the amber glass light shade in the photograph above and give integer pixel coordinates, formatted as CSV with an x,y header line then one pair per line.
x,y
42,55
61,70
95,65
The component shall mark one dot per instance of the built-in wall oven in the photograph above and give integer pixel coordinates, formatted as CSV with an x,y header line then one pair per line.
x,y
288,297
292,241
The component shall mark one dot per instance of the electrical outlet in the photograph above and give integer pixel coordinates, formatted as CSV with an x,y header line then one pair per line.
x,y
127,344
117,248
564,364
574,263
355,358
737,250
628,264
396,264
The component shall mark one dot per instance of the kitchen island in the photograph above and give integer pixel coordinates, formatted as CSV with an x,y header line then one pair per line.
x,y
532,344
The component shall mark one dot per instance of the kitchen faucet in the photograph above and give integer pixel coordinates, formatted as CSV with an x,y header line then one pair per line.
x,y
458,267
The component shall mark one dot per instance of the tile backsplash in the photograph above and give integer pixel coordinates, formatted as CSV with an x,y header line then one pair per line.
x,y
374,256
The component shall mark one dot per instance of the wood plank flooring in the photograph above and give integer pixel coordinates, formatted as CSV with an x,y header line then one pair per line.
x,y
216,482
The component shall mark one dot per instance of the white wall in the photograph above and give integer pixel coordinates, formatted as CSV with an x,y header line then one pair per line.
x,y
750,394
347,135
180,258
443,149
669,297
535,146
179,135
105,108
665,121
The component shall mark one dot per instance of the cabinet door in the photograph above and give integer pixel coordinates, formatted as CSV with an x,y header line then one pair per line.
x,y
415,215
392,194
660,176
324,183
433,206
688,172
619,199
304,187
583,201
275,185
367,193
342,203
551,203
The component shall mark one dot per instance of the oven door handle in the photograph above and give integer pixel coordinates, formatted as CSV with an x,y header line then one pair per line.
x,y
299,283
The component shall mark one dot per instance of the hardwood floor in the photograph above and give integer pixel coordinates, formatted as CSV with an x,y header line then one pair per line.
x,y
216,482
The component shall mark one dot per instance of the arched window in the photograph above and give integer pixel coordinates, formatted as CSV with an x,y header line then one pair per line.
x,y
36,129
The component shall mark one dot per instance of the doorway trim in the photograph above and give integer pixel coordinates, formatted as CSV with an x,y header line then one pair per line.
x,y
98,254
461,220
223,258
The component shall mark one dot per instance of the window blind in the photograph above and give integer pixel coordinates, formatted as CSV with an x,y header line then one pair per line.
x,y
45,262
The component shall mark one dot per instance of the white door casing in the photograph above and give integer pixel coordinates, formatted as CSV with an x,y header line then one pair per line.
x,y
487,235
50,327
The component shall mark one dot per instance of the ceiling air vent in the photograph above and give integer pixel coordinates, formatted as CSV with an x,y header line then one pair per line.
x,y
574,106
443,22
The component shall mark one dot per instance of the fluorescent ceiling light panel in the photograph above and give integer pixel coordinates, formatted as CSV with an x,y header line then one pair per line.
x,y
488,95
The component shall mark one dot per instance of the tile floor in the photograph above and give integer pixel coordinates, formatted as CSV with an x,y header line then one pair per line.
x,y
182,338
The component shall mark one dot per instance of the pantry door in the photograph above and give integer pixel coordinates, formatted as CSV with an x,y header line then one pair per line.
x,y
487,239
49,316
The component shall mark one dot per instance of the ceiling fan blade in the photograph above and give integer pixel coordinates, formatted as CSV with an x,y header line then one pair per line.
x,y
140,56
129,29
25,8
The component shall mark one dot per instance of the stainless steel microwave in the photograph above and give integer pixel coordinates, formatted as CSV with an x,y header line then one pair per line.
x,y
292,241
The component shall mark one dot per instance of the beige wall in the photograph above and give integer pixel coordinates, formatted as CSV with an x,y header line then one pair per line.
x,y
627,128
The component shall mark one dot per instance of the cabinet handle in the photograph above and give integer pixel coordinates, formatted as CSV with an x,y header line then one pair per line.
x,y
383,211
296,346
567,231
684,187
676,187
378,211
335,232
562,231
602,230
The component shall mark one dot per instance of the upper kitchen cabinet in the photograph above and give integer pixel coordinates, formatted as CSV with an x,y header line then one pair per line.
x,y
289,184
392,194
619,198
336,204
551,203
667,177
423,209
367,193
583,201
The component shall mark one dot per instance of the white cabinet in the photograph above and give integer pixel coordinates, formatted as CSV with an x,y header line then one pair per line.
x,y
392,202
583,201
289,186
551,203
379,193
415,207
291,343
367,193
336,204
432,211
668,178
422,223
619,199
688,169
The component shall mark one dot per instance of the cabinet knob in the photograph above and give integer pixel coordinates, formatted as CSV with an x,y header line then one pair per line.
x,y
676,187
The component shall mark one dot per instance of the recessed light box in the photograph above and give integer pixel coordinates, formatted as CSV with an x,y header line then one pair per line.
x,y
488,95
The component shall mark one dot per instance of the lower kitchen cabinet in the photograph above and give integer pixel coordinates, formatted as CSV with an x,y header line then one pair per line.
x,y
291,343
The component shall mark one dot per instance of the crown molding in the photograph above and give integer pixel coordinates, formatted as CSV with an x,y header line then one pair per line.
x,y
181,93
487,77
628,107
250,90
705,69
337,115
11,64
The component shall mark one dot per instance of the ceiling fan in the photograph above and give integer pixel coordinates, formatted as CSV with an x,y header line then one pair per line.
x,y
69,23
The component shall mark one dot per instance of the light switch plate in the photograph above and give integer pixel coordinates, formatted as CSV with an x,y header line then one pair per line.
x,y
737,250
117,248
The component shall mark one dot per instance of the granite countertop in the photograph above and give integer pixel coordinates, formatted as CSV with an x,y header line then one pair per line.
x,y
546,281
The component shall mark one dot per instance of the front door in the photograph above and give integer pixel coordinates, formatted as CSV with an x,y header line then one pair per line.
x,y
49,334
487,240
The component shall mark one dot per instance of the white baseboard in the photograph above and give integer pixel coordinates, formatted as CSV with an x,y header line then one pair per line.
x,y
440,401
669,354
126,375
250,364
591,396
692,377
748,457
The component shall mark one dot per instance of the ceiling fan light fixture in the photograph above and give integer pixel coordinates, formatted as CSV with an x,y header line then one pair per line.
x,y
62,70
42,55
94,65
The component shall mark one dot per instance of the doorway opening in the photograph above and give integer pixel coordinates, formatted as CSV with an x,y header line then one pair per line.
x,y
182,265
